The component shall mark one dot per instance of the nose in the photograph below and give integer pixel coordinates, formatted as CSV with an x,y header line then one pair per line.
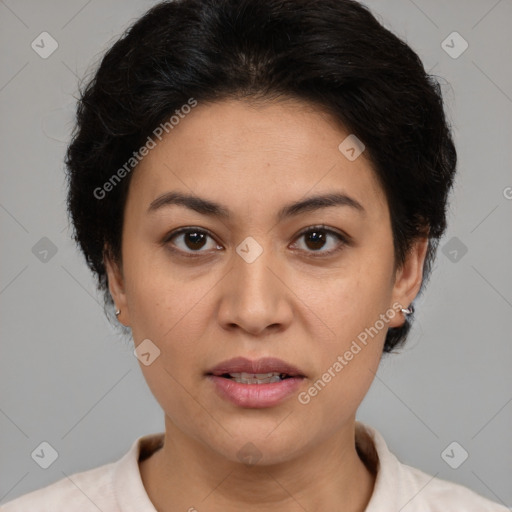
x,y
255,296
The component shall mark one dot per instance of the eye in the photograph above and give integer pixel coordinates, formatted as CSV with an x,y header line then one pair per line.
x,y
191,240
319,237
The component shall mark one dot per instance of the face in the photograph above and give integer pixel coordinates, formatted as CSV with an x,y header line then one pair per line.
x,y
263,279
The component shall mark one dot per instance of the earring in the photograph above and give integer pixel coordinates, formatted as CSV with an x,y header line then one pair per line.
x,y
408,311
117,312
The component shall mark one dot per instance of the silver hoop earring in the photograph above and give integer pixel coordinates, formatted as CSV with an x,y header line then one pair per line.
x,y
408,311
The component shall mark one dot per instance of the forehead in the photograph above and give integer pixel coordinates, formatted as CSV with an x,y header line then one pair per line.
x,y
254,156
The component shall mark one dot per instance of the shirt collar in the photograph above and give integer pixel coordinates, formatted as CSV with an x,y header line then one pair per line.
x,y
132,496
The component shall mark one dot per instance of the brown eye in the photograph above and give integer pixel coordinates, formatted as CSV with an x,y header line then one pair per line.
x,y
194,240
317,238
191,240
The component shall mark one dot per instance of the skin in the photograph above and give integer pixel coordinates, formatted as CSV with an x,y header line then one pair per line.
x,y
288,303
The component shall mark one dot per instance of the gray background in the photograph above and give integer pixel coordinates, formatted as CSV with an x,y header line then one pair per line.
x,y
68,379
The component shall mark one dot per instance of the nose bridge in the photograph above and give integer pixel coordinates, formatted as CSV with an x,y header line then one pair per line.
x,y
255,296
251,273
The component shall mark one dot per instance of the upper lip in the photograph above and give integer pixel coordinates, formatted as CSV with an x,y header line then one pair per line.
x,y
263,365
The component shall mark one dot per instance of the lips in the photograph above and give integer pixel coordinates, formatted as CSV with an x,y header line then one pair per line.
x,y
257,384
258,366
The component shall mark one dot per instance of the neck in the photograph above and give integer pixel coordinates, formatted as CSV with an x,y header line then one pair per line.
x,y
186,475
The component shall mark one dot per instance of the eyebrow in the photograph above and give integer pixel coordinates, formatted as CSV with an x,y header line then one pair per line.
x,y
210,208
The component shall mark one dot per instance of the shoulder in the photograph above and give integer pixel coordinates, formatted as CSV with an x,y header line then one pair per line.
x,y
442,495
408,489
89,490
110,488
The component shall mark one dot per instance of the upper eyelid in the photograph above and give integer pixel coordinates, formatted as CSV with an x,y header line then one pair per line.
x,y
324,228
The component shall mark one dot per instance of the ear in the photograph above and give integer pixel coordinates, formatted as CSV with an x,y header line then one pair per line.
x,y
408,278
116,285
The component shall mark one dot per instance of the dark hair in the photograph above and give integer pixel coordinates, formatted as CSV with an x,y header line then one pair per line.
x,y
333,54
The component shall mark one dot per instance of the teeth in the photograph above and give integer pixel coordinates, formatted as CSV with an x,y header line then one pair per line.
x,y
256,378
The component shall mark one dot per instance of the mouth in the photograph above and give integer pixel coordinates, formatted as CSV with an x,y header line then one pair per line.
x,y
264,370
255,384
256,378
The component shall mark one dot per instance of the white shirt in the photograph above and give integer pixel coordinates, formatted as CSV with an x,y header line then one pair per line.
x,y
118,487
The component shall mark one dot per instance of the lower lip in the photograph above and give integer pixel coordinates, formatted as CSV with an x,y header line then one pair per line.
x,y
255,395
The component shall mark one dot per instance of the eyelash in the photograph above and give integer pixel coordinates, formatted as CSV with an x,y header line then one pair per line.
x,y
343,239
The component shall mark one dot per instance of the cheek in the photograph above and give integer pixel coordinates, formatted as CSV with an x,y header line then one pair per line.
x,y
170,310
347,365
155,295
349,345
348,301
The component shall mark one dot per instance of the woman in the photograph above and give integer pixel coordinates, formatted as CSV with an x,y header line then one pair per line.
x,y
260,187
